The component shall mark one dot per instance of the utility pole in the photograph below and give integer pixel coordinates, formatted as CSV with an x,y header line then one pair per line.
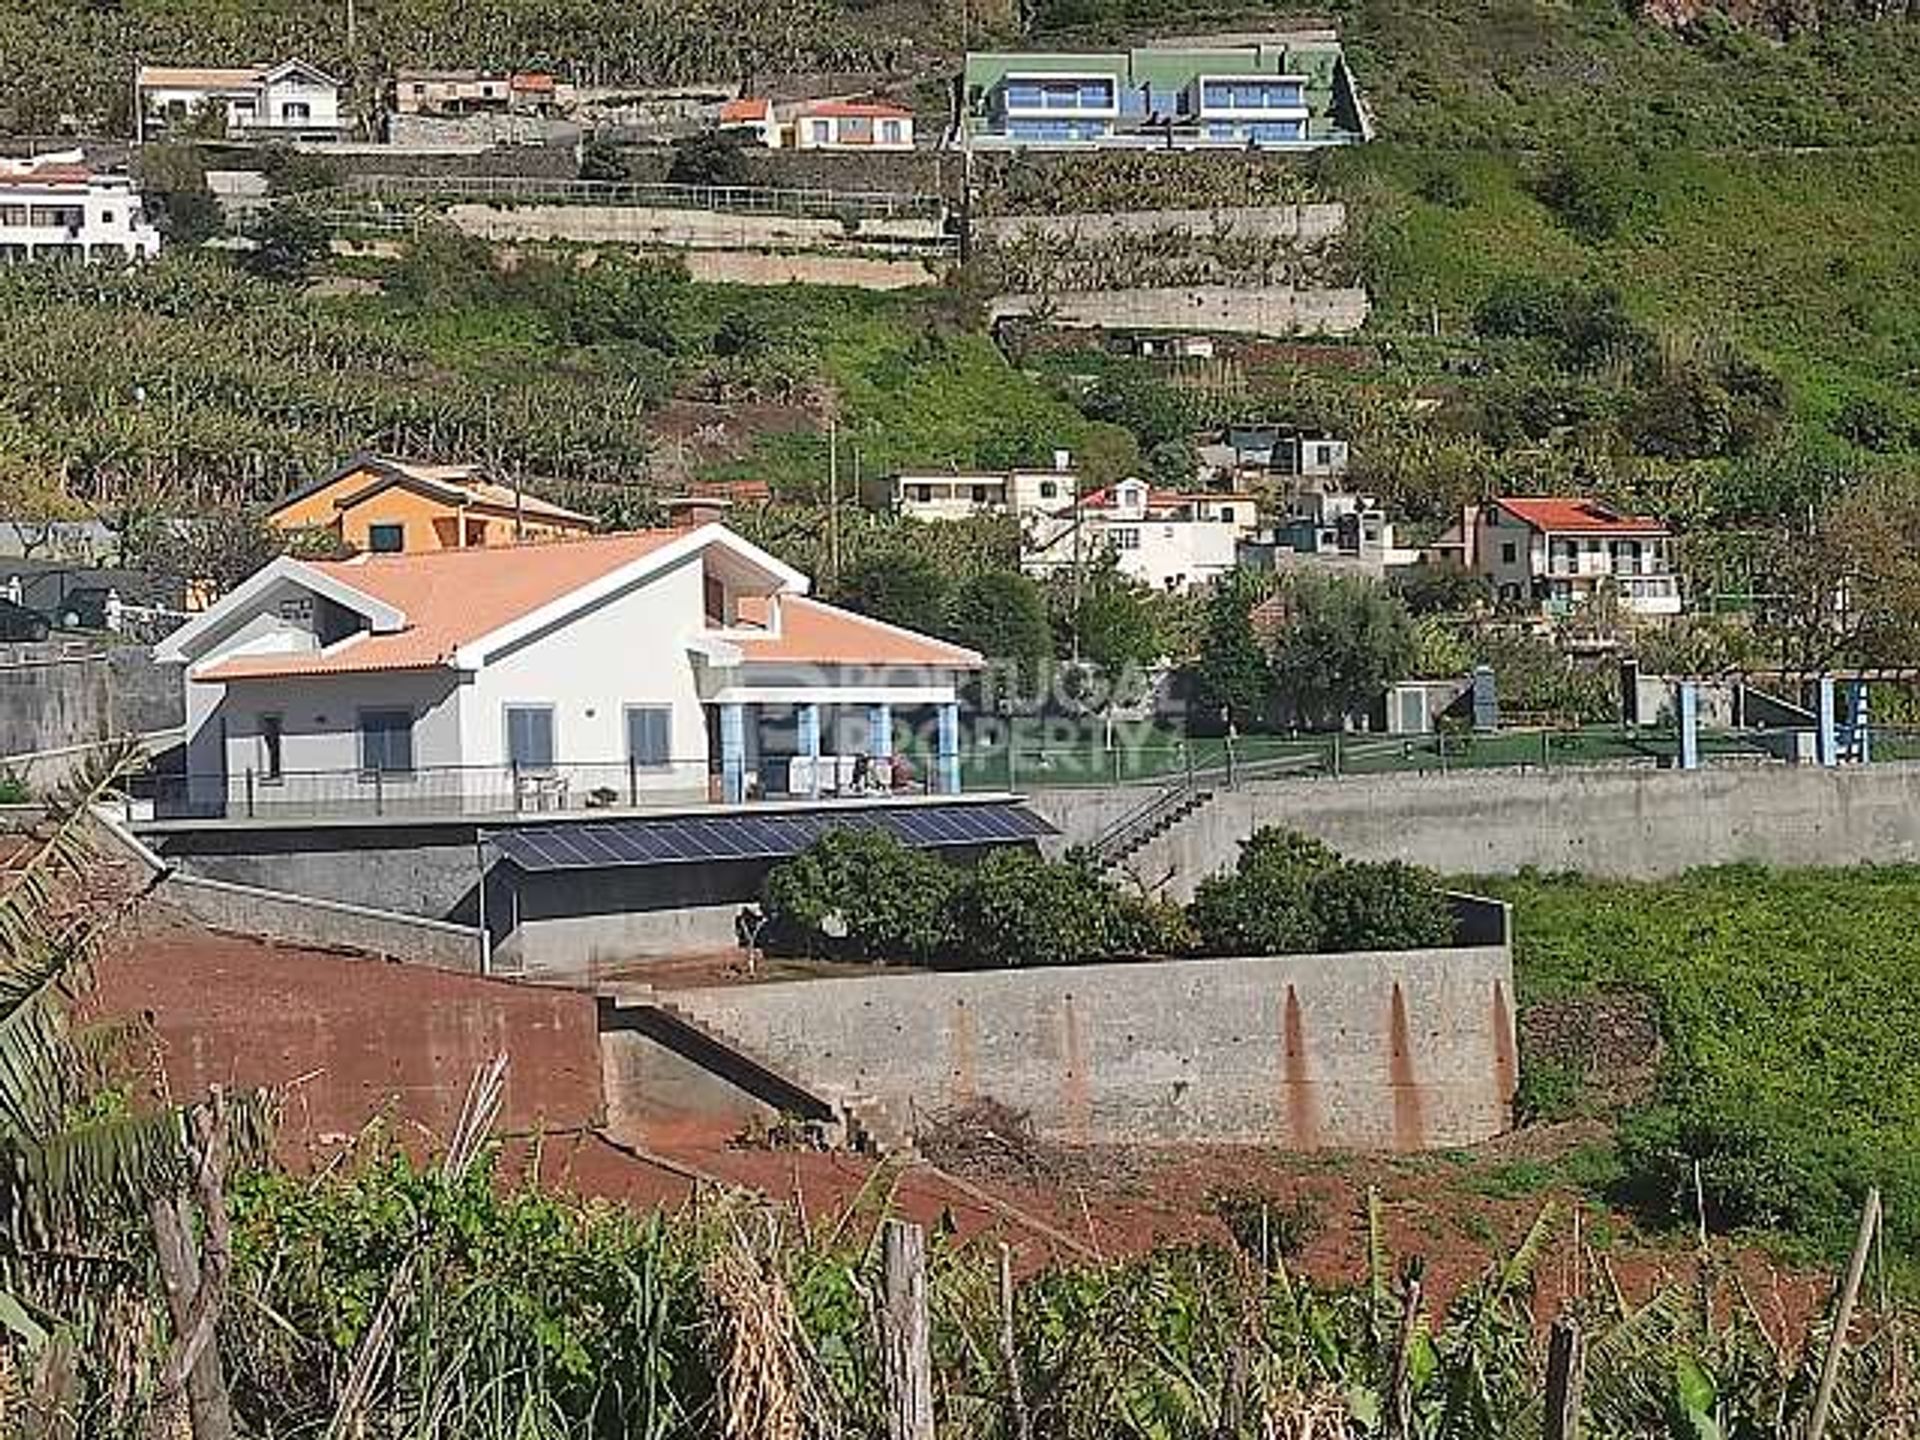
x,y
353,28
833,498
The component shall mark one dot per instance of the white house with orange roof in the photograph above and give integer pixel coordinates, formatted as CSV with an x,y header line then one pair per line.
x,y
56,206
289,101
1169,540
854,125
662,667
1558,552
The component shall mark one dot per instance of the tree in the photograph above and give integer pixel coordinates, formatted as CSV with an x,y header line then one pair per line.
x,y
1232,682
603,162
1112,622
713,157
288,242
1344,642
219,549
1003,615
1172,464
902,587
1438,587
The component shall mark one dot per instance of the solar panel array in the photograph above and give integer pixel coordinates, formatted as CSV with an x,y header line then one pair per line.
x,y
696,839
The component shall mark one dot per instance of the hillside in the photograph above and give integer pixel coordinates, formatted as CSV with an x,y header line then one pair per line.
x,y
1520,73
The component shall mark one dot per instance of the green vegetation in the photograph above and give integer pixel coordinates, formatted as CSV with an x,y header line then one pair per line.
x,y
860,894
1786,1005
1289,894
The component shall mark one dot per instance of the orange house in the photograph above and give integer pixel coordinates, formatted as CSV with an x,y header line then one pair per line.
x,y
392,507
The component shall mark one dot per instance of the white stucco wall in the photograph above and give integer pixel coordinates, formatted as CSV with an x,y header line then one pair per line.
x,y
630,650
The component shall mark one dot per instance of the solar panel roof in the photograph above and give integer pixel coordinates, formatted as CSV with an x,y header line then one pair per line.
x,y
754,835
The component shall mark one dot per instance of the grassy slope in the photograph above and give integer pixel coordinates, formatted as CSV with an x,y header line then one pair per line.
x,y
1805,261
1788,1001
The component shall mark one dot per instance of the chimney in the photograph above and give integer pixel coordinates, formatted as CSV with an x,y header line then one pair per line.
x,y
1063,460
689,512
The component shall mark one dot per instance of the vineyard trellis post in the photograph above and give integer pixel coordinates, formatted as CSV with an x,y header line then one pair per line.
x,y
1566,1378
907,1334
1843,1314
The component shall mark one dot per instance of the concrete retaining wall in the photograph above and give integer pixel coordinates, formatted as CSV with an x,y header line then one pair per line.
x,y
1253,310
302,920
690,229
862,272
1303,224
59,695
1632,823
1382,1051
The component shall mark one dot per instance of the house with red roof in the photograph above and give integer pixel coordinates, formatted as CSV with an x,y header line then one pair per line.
x,y
861,126
1557,552
1166,539
681,666
56,206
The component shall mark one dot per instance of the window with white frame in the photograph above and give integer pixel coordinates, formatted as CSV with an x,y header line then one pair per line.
x,y
823,132
1125,537
650,736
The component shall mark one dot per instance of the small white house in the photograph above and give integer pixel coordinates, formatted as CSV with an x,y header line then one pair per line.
x,y
854,125
653,667
55,207
1165,539
289,101
956,495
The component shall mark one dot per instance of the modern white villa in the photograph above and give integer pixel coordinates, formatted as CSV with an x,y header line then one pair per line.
x,y
653,668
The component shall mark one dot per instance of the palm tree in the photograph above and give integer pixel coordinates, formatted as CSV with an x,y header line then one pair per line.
x,y
98,1196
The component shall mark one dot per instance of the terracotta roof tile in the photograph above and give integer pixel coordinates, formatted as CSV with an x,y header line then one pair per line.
x,y
450,597
855,110
740,112
1561,514
815,633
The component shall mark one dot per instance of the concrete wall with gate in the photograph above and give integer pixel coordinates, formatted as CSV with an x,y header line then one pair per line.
x,y
1634,823
1378,1051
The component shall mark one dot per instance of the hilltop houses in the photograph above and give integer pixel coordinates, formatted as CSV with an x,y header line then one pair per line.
x,y
1265,92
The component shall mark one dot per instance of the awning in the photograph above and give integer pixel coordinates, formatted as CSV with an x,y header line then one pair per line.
x,y
755,835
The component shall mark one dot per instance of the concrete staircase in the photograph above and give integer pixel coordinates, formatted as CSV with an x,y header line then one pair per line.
x,y
840,1119
1140,829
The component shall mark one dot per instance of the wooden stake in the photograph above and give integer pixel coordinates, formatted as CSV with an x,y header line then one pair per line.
x,y
1009,1351
1566,1378
905,1330
1843,1317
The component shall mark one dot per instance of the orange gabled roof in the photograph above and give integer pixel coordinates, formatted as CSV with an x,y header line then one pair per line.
x,y
1556,514
741,112
815,633
450,598
854,110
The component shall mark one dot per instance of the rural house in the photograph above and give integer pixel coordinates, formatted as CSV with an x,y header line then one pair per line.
x,y
1558,552
1166,539
661,667
860,126
1273,92
394,507
475,92
289,101
55,207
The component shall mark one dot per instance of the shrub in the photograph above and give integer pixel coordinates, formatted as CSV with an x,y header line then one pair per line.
x,y
1017,910
1596,194
1290,894
861,894
1387,905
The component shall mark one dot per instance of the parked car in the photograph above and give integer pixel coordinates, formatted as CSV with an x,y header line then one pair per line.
x,y
17,622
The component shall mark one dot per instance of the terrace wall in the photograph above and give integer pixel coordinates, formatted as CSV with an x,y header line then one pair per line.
x,y
1379,1051
1631,823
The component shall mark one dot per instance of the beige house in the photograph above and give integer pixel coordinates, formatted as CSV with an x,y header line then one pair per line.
x,y
472,92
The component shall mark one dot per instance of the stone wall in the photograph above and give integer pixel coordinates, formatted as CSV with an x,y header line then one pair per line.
x,y
690,229
1405,1051
59,695
1303,224
1276,310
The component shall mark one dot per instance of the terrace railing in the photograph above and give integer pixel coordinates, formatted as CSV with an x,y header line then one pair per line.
x,y
735,199
452,792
